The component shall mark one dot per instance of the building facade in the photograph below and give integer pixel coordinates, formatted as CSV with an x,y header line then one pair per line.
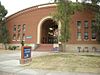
x,y
35,25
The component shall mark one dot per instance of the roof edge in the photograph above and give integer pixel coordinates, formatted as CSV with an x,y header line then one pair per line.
x,y
32,7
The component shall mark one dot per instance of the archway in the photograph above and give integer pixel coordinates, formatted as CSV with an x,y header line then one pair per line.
x,y
49,32
44,19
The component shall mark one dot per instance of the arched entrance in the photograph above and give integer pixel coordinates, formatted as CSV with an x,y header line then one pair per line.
x,y
39,28
49,31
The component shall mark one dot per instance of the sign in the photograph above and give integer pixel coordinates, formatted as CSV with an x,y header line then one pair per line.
x,y
25,54
28,37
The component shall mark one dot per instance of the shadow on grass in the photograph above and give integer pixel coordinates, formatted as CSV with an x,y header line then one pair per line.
x,y
91,56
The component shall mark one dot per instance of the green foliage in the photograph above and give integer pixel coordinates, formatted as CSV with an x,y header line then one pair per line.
x,y
10,48
65,9
4,33
22,43
4,36
61,15
13,47
3,11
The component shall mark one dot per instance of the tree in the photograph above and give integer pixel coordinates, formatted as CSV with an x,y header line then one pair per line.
x,y
3,12
4,33
3,28
65,9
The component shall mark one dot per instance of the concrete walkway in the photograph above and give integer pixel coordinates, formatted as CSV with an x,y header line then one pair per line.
x,y
10,65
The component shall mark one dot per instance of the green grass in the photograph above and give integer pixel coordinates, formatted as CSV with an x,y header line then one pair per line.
x,y
71,62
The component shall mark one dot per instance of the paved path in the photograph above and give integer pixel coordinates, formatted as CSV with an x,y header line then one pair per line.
x,y
9,65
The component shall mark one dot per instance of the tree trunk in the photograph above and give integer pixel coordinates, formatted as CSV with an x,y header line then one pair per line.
x,y
76,0
5,45
63,47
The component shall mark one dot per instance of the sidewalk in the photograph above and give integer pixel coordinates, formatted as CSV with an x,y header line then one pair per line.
x,y
10,65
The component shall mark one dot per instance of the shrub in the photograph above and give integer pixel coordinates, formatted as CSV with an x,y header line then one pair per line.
x,y
12,47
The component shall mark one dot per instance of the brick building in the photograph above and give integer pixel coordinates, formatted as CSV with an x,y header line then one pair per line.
x,y
35,25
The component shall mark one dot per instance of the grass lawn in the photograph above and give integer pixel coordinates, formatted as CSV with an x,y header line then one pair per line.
x,y
70,62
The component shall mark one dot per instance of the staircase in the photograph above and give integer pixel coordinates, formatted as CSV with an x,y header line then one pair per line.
x,y
44,47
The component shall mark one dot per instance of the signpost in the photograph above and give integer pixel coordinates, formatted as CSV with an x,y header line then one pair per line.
x,y
26,54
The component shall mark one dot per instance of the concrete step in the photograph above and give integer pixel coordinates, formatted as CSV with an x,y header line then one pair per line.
x,y
44,47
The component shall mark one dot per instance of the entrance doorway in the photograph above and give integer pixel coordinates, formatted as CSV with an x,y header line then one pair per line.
x,y
49,32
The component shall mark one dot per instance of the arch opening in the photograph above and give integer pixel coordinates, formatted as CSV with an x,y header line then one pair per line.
x,y
49,32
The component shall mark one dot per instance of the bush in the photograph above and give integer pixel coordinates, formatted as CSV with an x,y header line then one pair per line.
x,y
12,47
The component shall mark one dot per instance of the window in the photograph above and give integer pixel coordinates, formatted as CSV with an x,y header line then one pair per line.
x,y
86,35
78,24
14,36
14,28
93,35
86,24
19,28
79,35
93,23
24,27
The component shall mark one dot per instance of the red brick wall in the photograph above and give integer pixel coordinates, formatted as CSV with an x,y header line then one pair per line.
x,y
81,16
32,16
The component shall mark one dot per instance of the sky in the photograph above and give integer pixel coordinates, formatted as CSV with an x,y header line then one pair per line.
x,y
14,6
